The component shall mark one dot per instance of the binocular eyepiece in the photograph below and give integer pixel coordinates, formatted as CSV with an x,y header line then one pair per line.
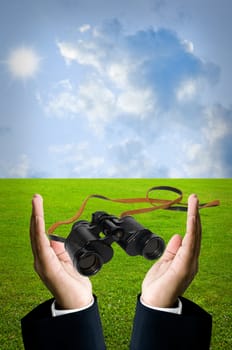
x,y
89,251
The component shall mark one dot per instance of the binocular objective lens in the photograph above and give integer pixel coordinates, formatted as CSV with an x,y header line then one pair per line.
x,y
153,248
89,264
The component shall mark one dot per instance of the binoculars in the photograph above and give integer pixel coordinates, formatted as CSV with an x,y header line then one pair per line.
x,y
89,249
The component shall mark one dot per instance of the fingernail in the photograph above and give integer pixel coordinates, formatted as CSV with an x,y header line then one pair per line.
x,y
37,196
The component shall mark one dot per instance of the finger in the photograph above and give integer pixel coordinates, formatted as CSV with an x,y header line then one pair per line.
x,y
191,239
199,234
37,202
32,233
192,206
37,206
39,240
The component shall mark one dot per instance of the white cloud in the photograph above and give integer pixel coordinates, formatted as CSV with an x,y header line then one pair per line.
x,y
78,159
63,105
85,53
93,101
61,149
97,101
89,167
187,90
210,155
67,51
131,158
23,63
140,95
217,126
85,28
21,168
119,73
188,45
137,102
149,60
200,163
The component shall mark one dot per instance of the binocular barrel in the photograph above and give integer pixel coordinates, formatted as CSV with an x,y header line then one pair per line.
x,y
87,252
139,241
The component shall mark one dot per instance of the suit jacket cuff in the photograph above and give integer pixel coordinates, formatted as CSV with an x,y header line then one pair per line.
x,y
57,312
78,330
153,329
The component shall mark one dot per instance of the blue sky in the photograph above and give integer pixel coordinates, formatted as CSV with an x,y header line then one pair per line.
x,y
115,88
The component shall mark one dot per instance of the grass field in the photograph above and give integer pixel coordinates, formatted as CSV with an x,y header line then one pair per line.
x,y
118,283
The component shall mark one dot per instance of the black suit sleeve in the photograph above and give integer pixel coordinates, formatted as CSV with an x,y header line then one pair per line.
x,y
157,330
76,331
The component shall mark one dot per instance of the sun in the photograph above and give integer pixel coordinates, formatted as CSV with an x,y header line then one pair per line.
x,y
23,63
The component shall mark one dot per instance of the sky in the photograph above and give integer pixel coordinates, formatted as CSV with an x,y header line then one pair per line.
x,y
115,89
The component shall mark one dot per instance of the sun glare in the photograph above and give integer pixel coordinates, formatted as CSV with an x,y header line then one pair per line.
x,y
23,63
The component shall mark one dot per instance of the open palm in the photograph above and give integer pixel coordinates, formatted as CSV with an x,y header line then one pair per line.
x,y
54,266
172,274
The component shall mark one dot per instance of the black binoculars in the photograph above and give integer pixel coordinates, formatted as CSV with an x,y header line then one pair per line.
x,y
89,251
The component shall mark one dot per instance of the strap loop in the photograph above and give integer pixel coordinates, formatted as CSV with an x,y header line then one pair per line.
x,y
153,202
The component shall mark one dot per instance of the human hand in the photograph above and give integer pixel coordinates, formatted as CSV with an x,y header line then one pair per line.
x,y
172,274
54,266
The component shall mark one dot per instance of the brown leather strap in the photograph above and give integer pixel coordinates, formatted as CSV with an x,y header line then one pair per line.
x,y
154,204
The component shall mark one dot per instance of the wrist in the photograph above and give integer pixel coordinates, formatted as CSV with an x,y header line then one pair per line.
x,y
74,302
56,310
175,309
159,301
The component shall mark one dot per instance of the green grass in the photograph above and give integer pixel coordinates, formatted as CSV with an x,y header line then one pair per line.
x,y
118,283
